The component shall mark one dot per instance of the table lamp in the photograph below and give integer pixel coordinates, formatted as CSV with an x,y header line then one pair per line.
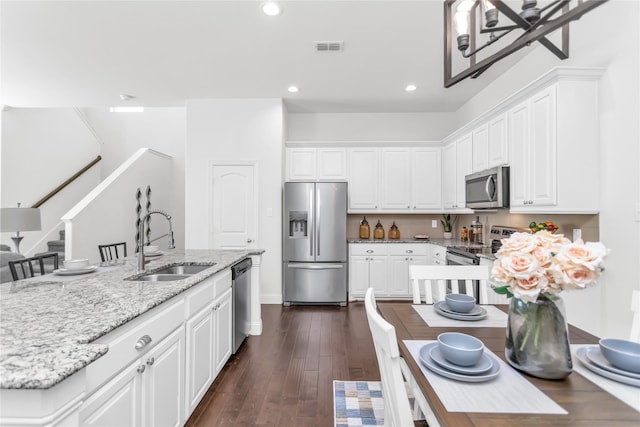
x,y
19,219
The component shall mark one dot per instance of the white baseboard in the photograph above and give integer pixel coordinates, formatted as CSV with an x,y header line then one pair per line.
x,y
271,299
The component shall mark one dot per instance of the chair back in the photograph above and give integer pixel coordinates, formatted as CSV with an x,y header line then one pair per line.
x,y
635,322
113,251
35,266
397,411
435,278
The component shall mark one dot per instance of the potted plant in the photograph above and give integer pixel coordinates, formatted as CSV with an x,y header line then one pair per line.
x,y
446,226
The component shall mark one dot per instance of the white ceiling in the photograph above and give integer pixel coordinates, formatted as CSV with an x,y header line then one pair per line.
x,y
87,53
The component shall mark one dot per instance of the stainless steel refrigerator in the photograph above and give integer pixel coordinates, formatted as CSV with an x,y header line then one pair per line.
x,y
315,243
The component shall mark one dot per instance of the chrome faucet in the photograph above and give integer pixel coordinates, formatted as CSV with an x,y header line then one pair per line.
x,y
140,242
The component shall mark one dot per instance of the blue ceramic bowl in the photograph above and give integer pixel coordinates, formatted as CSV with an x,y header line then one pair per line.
x,y
622,354
462,303
460,349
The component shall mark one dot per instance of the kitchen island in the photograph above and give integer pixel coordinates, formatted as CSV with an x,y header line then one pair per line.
x,y
53,328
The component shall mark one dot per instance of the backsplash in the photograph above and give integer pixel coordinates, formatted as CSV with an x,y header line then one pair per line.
x,y
411,224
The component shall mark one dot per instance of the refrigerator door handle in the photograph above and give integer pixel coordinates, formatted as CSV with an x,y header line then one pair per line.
x,y
317,223
316,266
312,221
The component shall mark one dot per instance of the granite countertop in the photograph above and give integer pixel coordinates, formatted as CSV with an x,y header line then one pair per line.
x,y
48,324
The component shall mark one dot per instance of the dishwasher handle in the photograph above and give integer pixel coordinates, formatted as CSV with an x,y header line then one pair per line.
x,y
241,268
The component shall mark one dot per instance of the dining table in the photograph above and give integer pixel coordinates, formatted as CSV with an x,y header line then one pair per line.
x,y
515,398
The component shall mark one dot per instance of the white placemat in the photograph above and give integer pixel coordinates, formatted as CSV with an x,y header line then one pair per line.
x,y
627,393
496,318
510,392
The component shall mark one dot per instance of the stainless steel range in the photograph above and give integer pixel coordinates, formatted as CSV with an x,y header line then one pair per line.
x,y
469,254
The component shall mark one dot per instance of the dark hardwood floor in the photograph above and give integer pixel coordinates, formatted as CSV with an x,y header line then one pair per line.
x,y
285,376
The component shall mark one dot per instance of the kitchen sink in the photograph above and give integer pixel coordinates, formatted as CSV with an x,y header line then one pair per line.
x,y
171,273
183,269
162,277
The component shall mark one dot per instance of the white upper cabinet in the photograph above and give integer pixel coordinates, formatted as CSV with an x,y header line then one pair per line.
x,y
457,163
395,185
498,142
426,170
480,148
316,164
553,138
363,179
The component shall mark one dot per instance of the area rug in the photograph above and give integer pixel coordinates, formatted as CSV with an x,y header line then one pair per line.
x,y
358,403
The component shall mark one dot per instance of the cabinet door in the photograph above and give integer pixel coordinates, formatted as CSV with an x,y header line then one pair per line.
x,y
378,279
480,157
358,276
332,163
200,363
449,176
519,142
543,148
395,185
363,179
117,403
498,146
464,167
223,329
163,392
301,164
398,283
426,180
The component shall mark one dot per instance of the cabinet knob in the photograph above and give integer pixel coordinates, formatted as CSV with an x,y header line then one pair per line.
x,y
406,259
151,361
141,369
143,342
409,251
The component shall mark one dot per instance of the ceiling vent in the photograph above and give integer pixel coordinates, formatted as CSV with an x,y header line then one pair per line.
x,y
328,46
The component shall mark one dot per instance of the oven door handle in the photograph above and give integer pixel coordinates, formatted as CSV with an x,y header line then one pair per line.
x,y
453,259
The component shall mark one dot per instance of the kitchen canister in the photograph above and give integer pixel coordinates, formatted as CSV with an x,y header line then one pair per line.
x,y
365,231
394,232
378,232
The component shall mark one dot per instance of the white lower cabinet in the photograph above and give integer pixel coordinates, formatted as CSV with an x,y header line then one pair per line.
x,y
147,392
383,267
222,329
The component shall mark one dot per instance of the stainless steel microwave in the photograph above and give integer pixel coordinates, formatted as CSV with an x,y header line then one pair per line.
x,y
488,189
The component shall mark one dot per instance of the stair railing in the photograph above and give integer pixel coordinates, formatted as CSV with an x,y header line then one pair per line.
x,y
67,182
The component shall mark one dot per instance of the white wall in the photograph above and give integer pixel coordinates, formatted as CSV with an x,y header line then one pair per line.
x,y
113,205
161,129
41,148
401,127
238,130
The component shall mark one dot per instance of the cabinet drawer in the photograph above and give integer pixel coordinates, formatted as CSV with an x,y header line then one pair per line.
x,y
408,249
222,282
199,296
368,249
156,324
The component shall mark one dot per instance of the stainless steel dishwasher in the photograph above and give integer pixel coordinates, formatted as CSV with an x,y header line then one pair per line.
x,y
240,273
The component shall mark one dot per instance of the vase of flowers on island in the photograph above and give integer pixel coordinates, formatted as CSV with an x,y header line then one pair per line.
x,y
533,269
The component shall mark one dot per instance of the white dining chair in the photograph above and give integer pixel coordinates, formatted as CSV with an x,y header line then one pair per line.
x,y
435,277
635,322
397,410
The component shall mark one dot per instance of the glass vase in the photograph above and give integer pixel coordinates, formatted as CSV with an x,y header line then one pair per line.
x,y
537,337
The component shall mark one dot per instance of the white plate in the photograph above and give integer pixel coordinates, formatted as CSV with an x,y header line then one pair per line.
x,y
420,236
475,311
484,365
581,353
429,363
158,253
596,357
65,272
458,316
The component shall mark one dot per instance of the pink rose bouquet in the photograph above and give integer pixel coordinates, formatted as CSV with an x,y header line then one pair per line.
x,y
528,265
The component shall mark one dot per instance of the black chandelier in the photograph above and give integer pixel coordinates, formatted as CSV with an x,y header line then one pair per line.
x,y
535,23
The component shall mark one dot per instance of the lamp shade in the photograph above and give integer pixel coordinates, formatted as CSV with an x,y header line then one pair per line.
x,y
20,219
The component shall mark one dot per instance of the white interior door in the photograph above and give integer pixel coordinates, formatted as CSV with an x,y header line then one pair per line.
x,y
232,203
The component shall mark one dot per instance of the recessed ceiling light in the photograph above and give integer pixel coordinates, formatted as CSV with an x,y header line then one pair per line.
x,y
126,97
126,109
293,89
271,9
411,88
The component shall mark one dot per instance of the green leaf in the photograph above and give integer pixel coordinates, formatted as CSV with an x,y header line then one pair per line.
x,y
503,290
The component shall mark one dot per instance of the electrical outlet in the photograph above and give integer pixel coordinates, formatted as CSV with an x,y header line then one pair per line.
x,y
434,223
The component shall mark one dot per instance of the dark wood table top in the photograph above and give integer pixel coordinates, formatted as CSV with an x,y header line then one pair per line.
x,y
587,404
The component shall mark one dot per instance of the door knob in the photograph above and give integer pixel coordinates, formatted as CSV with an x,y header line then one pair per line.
x,y
249,240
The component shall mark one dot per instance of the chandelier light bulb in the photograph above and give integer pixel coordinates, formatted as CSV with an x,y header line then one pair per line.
x,y
490,13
